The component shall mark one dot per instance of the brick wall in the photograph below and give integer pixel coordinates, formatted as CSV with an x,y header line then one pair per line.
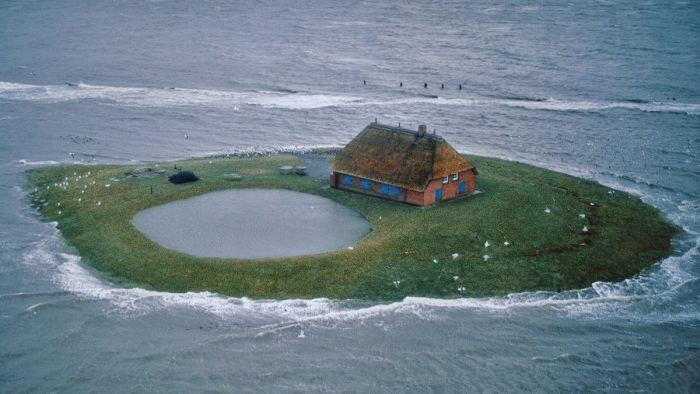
x,y
450,189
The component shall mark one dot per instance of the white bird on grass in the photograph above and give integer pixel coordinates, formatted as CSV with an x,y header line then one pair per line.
x,y
486,257
455,277
455,255
487,244
506,243
582,215
396,283
585,229
546,210
435,261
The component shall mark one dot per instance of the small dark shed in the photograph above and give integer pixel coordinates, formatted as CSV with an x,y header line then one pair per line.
x,y
403,165
183,177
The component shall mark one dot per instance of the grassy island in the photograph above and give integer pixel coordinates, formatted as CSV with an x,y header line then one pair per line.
x,y
545,231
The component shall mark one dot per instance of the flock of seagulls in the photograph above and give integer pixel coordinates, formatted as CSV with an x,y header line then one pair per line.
x,y
486,257
82,182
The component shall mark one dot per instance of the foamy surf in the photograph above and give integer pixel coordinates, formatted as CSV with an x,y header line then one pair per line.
x,y
627,299
183,97
25,162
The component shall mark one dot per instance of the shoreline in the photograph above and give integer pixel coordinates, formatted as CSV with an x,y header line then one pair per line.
x,y
544,251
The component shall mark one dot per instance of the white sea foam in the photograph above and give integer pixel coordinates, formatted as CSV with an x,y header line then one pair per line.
x,y
600,301
181,97
25,162
659,284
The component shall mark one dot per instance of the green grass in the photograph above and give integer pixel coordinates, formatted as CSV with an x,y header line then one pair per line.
x,y
547,251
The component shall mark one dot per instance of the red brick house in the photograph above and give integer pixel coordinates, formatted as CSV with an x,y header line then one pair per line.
x,y
402,165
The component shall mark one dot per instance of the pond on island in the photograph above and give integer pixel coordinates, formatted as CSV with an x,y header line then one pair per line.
x,y
253,224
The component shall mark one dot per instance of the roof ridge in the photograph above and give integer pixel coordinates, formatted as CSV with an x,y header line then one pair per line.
x,y
399,129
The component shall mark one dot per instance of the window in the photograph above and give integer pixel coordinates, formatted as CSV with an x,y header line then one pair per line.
x,y
445,179
455,176
385,189
394,191
365,184
347,180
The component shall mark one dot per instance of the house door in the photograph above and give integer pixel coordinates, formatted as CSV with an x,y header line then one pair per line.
x,y
438,194
462,187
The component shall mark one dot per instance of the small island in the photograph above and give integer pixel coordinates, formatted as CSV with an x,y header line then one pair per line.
x,y
529,229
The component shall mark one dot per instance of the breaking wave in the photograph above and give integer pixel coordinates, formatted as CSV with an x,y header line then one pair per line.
x,y
662,287
291,100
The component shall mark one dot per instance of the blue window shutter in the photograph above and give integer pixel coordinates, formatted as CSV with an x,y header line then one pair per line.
x,y
394,192
365,184
462,187
347,179
385,189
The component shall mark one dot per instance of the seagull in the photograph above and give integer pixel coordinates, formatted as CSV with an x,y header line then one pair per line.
x,y
435,261
301,334
72,155
582,215
350,248
486,244
585,229
455,255
486,257
187,136
461,291
546,210
506,243
455,277
396,283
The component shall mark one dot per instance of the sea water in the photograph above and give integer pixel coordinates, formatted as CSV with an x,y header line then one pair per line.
x,y
603,90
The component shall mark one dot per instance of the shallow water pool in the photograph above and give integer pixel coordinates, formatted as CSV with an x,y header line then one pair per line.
x,y
253,224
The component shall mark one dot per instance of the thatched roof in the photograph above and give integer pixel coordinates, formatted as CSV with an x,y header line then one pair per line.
x,y
399,156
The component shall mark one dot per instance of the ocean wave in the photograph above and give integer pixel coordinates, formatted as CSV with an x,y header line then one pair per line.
x,y
25,162
170,97
627,299
291,100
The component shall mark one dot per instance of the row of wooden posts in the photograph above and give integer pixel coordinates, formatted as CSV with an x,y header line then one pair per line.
x,y
425,84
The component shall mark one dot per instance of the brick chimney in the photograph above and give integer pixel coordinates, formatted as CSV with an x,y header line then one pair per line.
x,y
422,130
